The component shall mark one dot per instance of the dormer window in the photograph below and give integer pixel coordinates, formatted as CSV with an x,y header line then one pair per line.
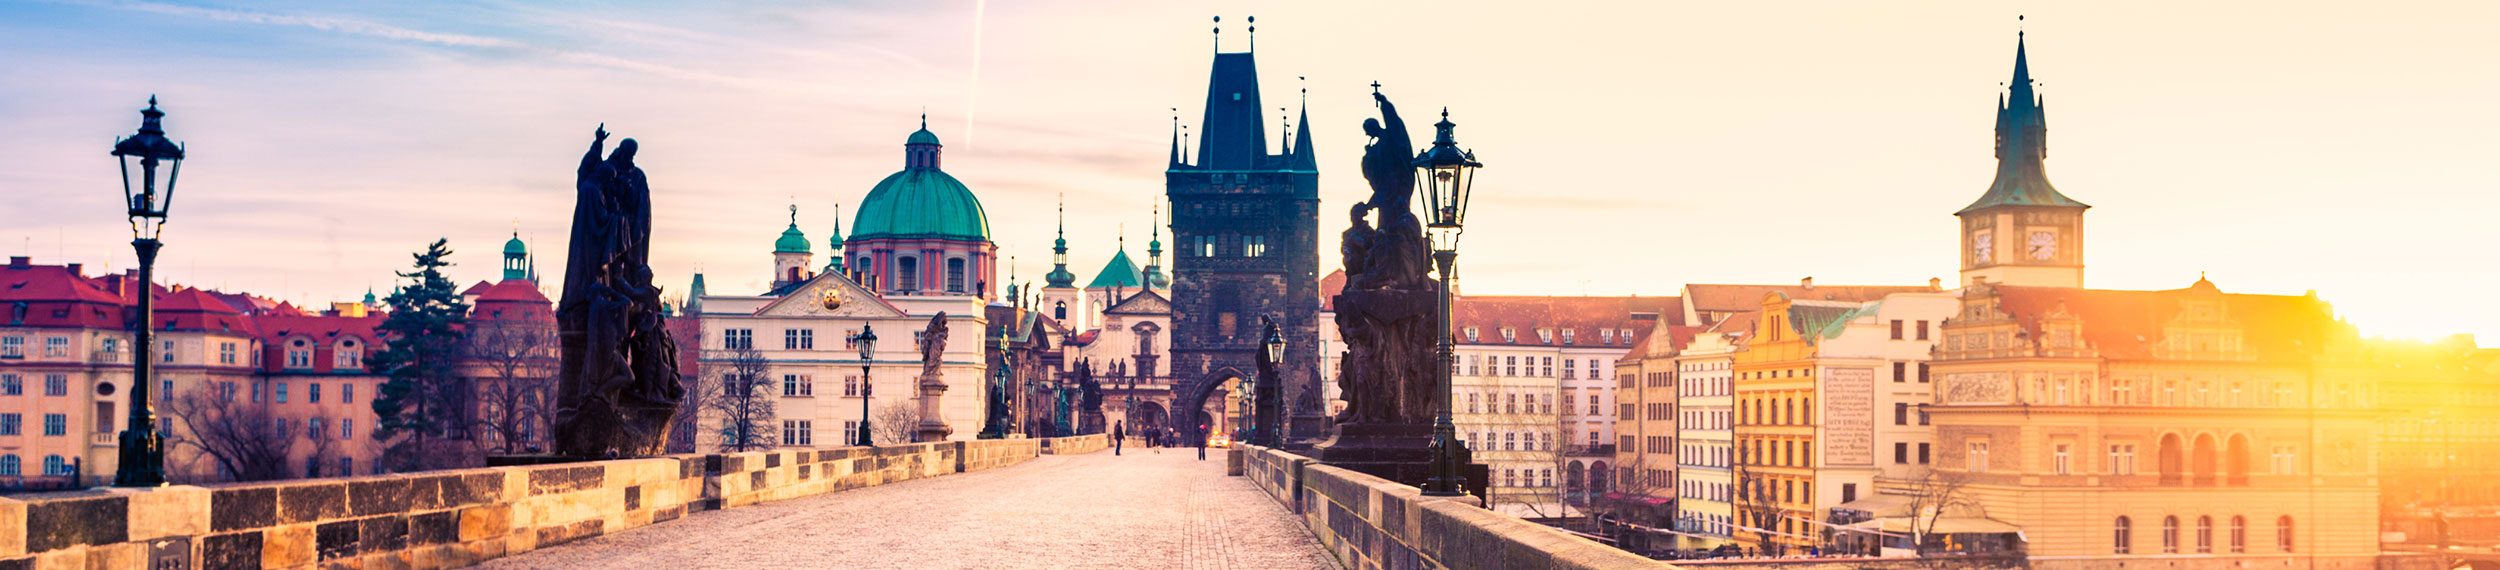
x,y
1471,334
1510,335
350,355
298,353
1606,336
1568,336
1545,336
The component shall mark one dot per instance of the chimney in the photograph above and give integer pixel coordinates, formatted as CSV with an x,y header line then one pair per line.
x,y
74,269
1807,282
1935,284
20,261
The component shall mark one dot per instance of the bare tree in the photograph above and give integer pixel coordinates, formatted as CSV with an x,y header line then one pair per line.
x,y
513,385
897,422
234,433
1756,508
742,399
1930,496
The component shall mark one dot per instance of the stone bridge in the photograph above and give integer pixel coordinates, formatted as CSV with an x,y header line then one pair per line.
x,y
1025,503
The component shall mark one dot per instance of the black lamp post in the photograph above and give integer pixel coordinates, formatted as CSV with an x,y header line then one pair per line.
x,y
1267,431
142,452
996,426
1446,174
867,342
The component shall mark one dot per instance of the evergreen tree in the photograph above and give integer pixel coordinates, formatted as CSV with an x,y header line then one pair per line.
x,y
419,403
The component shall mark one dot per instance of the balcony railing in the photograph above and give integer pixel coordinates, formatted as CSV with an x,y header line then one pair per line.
x,y
109,357
1607,450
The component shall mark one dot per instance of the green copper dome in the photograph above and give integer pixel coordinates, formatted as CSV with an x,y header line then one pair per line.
x,y
515,246
791,241
922,201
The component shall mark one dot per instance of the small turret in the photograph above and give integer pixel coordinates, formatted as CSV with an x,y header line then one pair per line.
x,y
791,254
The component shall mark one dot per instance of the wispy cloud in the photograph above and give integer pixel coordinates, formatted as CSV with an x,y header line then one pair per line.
x,y
325,23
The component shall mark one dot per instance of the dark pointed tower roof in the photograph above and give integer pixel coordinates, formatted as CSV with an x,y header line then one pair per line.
x,y
1232,137
2022,145
1302,158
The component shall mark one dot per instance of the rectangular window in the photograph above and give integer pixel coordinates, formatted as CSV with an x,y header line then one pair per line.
x,y
56,424
312,392
56,346
1922,373
1922,453
298,358
850,432
2122,460
798,432
1922,330
225,353
316,428
1975,458
13,347
907,273
1900,372
11,423
1549,368
2064,460
56,384
347,428
11,385
347,359
1896,329
1922,416
347,466
1900,453
1900,413
281,393
737,339
347,393
1253,246
256,387
168,352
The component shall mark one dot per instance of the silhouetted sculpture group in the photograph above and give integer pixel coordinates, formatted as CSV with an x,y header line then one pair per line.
x,y
1386,312
617,389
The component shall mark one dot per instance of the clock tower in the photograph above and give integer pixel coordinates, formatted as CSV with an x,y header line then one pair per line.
x,y
2022,232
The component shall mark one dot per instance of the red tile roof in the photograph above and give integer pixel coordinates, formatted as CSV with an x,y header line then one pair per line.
x,y
1725,298
481,286
1329,287
1585,316
49,283
194,309
518,290
2126,325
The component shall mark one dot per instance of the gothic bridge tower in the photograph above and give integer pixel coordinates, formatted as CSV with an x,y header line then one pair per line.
x,y
1245,230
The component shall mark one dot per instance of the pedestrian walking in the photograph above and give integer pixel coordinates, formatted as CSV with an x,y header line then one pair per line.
x,y
1201,436
1118,435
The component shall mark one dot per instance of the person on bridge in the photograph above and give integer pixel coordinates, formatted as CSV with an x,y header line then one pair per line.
x,y
1201,436
1118,435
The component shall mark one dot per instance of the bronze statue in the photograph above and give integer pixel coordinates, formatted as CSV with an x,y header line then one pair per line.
x,y
1386,312
616,385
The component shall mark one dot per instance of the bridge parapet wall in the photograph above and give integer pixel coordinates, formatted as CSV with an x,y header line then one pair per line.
x,y
1371,523
1076,445
448,519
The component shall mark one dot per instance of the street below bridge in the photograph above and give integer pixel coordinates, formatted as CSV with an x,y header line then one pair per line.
x,y
1142,509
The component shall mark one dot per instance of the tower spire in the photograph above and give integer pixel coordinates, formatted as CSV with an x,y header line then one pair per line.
x,y
1301,153
1176,136
834,247
1059,275
1154,252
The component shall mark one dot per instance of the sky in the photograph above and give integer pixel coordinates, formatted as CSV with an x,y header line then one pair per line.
x,y
2275,147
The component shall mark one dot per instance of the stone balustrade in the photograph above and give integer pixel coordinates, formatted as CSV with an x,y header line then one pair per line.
x,y
449,519
1371,523
1076,445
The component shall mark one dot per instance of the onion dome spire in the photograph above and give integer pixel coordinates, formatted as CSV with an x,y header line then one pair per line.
x,y
1059,275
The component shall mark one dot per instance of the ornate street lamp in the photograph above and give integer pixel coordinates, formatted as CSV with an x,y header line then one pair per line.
x,y
1447,175
867,342
996,426
1267,431
142,451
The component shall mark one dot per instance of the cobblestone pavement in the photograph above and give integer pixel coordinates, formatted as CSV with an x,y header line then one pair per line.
x,y
1137,510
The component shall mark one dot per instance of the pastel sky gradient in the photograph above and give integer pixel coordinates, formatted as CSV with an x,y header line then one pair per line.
x,y
2278,147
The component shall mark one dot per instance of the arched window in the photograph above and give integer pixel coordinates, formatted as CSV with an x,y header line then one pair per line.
x,y
2121,536
1059,310
2173,461
8,464
2169,535
52,465
2283,533
2204,534
2239,534
955,275
2203,461
906,273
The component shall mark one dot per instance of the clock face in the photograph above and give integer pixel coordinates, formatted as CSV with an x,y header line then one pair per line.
x,y
1981,246
2043,245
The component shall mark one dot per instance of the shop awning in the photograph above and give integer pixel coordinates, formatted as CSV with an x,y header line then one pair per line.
x,y
1946,525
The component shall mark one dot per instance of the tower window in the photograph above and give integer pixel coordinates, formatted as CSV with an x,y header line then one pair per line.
x,y
1253,246
906,273
1059,310
955,275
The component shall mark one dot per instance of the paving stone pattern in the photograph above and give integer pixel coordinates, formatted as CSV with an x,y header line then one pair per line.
x,y
1138,510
